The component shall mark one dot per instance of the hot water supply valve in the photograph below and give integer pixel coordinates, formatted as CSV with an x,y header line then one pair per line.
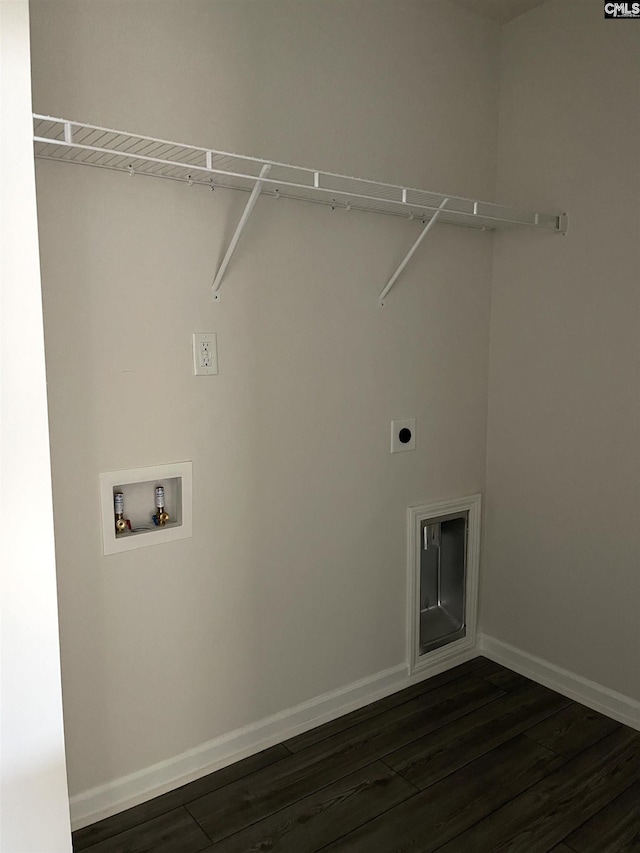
x,y
118,507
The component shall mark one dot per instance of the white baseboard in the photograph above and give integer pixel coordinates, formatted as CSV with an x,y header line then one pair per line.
x,y
127,791
119,794
615,705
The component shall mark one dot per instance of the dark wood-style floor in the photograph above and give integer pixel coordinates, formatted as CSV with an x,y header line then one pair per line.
x,y
475,760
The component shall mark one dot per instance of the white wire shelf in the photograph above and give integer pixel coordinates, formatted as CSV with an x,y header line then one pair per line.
x,y
105,148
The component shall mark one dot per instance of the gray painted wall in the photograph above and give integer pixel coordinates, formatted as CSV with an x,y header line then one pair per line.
x,y
561,577
294,581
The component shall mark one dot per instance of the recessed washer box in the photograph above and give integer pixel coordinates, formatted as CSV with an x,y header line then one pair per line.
x,y
138,487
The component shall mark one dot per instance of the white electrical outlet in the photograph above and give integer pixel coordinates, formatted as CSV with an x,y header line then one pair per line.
x,y
403,435
205,354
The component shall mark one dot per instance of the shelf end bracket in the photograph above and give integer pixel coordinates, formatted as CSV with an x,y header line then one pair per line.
x,y
563,224
255,192
411,251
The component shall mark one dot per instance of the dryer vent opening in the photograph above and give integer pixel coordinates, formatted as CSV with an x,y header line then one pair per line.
x,y
443,559
443,564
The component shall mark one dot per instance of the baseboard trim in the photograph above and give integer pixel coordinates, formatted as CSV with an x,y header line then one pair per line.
x,y
615,705
127,791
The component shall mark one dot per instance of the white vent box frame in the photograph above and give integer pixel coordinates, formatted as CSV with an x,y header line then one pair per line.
x,y
443,549
138,487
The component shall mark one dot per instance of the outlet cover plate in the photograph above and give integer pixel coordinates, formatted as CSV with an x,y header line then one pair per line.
x,y
403,435
205,354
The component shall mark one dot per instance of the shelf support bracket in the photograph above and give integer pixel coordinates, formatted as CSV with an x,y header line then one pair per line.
x,y
255,192
411,251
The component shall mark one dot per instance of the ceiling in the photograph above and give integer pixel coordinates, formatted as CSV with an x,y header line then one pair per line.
x,y
501,11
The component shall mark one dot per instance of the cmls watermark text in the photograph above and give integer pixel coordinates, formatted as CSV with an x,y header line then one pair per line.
x,y
622,10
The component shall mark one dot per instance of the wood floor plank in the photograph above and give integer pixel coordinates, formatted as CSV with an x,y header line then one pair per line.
x,y
242,803
614,829
96,832
173,832
430,818
504,764
482,666
478,666
544,815
325,815
437,754
572,729
507,680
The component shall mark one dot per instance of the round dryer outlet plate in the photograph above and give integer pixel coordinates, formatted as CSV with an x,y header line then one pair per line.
x,y
403,435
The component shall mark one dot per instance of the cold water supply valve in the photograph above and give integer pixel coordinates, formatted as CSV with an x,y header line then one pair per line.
x,y
161,517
